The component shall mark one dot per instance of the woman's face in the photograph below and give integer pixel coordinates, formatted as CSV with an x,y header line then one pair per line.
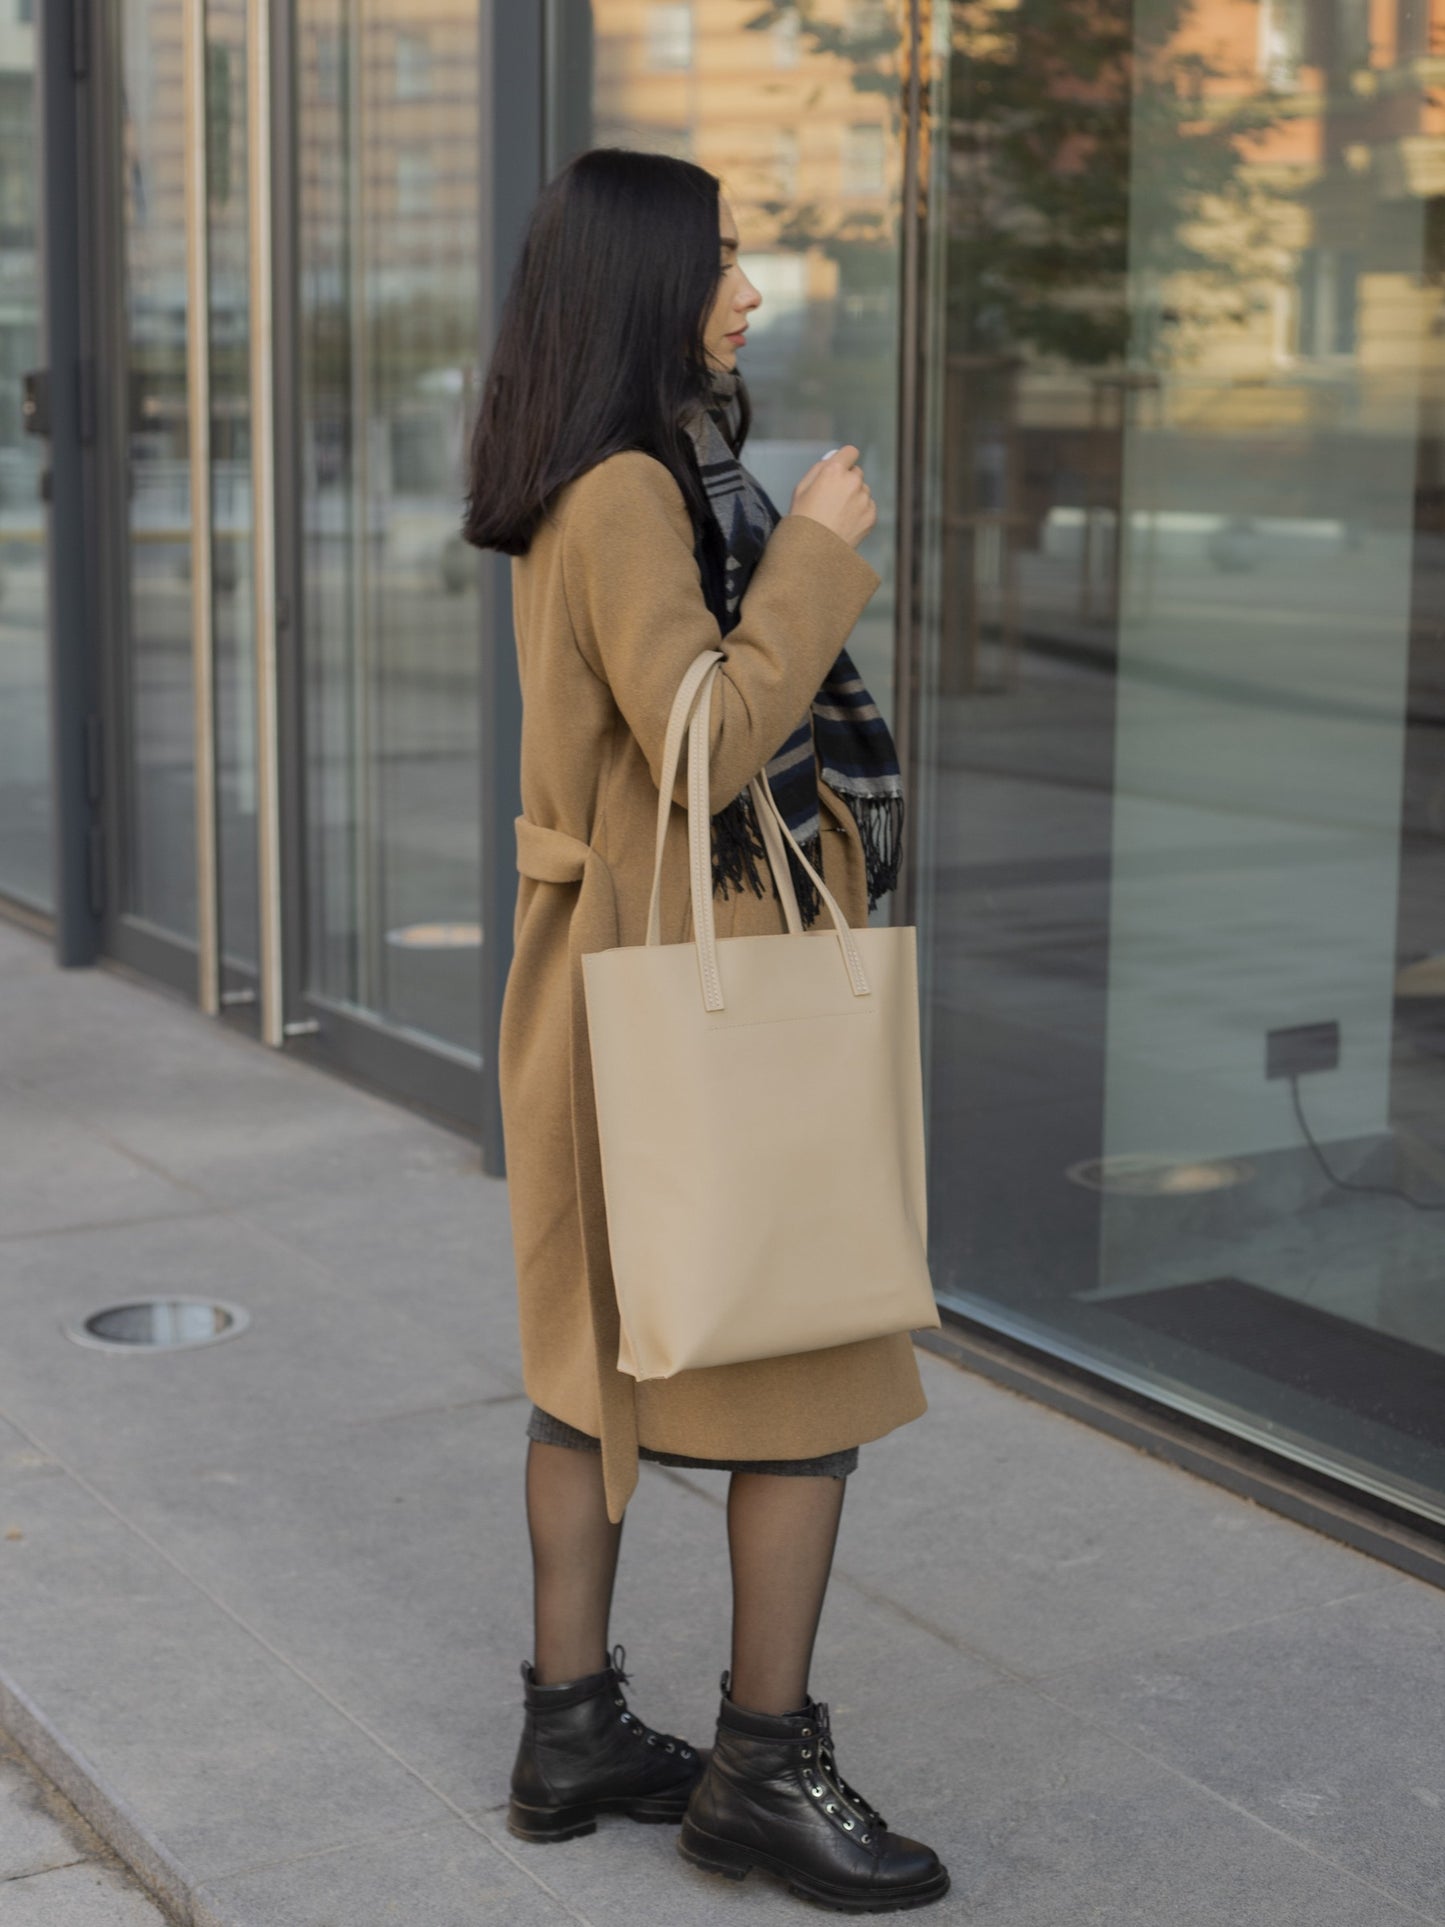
x,y
727,322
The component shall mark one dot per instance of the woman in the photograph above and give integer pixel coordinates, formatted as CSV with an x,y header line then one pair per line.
x,y
604,461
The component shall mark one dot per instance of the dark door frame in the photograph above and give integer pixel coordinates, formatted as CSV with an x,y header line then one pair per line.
x,y
64,88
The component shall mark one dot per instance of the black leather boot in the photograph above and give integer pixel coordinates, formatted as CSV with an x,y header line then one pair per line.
x,y
583,1753
772,1797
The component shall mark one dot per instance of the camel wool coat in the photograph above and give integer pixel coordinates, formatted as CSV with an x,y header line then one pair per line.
x,y
609,612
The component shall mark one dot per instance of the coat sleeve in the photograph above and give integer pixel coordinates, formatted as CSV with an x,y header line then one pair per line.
x,y
635,598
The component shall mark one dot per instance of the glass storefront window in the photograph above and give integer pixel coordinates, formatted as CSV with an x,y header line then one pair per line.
x,y
1180,755
24,712
389,166
797,111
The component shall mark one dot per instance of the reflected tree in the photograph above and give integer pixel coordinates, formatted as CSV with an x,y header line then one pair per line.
x,y
1071,125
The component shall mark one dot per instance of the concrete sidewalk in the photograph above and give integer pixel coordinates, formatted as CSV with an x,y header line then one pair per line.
x,y
264,1602
53,1870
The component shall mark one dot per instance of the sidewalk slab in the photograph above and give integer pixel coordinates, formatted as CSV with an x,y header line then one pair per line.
x,y
53,1871
265,1602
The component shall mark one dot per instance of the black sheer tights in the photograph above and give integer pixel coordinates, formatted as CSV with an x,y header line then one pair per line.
x,y
781,1533
574,1561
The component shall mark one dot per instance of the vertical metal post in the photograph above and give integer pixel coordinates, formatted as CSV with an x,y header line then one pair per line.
x,y
907,598
513,66
364,751
263,524
290,587
198,421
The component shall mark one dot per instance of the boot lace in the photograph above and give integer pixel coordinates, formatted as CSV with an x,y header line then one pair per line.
x,y
669,1742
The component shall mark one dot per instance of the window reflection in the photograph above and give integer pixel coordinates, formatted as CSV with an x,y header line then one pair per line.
x,y
1180,746
796,109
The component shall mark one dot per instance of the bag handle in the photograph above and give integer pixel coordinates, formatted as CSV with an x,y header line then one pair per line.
x,y
777,855
691,710
682,706
843,930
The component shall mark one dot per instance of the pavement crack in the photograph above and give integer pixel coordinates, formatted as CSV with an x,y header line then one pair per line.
x,y
39,1873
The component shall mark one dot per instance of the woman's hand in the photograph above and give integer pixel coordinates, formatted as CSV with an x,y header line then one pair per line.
x,y
834,493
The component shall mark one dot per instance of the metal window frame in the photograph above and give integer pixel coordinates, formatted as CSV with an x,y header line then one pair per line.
x,y
912,441
64,84
198,434
271,989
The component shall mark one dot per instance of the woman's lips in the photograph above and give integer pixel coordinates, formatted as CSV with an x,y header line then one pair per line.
x,y
739,338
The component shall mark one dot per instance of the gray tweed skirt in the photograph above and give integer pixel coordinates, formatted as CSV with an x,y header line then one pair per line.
x,y
547,1430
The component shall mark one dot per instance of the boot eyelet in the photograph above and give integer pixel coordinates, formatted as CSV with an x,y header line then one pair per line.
x,y
687,1752
847,1826
816,1791
830,1808
865,1838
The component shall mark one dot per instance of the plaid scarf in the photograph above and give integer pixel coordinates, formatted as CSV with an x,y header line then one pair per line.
x,y
853,744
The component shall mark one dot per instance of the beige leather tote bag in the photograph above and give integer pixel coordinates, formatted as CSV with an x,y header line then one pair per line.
x,y
760,1110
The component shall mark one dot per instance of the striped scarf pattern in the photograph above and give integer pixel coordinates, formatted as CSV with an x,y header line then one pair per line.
x,y
854,748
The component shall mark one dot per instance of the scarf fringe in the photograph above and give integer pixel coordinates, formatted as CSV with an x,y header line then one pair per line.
x,y
737,846
880,824
740,857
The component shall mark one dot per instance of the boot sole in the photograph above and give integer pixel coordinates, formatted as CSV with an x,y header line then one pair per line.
x,y
735,1862
549,1826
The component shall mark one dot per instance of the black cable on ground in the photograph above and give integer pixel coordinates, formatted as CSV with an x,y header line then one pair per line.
x,y
1346,1184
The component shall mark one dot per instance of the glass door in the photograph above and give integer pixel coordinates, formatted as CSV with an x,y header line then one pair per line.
x,y
25,810
389,175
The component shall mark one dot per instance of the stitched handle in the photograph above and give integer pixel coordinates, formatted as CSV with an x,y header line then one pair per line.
x,y
682,706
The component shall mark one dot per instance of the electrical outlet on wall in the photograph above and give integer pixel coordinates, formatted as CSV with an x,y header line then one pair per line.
x,y
1301,1049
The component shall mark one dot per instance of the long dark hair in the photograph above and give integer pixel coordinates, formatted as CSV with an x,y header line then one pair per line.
x,y
600,346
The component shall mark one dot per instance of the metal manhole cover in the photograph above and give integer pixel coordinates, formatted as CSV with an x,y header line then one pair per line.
x,y
158,1324
1156,1177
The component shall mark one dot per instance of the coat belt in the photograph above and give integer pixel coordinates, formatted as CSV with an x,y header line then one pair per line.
x,y
552,856
549,856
